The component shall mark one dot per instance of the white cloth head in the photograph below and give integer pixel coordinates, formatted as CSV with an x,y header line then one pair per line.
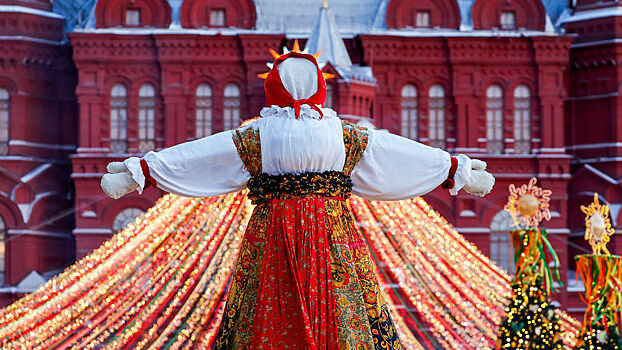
x,y
299,77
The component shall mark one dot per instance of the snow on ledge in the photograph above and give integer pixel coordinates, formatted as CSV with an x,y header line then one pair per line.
x,y
28,10
444,32
594,14
151,30
434,32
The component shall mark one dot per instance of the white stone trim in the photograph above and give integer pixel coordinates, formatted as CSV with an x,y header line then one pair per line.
x,y
36,172
594,145
31,39
23,143
55,234
473,229
86,175
92,230
614,11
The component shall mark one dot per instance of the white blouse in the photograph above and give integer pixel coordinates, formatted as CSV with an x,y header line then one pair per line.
x,y
392,167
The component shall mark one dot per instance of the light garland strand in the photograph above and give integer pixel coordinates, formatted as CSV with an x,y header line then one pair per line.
x,y
161,283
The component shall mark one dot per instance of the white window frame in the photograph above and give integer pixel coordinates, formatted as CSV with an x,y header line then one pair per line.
x,y
3,230
507,20
146,118
231,106
501,249
409,110
218,17
203,110
423,19
522,120
494,119
132,17
5,112
438,107
330,96
118,119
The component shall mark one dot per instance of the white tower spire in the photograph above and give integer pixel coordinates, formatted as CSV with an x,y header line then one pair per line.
x,y
326,38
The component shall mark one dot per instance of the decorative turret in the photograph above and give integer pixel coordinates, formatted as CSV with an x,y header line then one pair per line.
x,y
326,38
352,93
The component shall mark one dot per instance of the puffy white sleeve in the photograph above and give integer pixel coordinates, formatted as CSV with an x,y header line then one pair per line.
x,y
205,167
395,168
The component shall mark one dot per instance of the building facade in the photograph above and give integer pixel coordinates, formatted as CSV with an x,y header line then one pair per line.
x,y
516,84
38,118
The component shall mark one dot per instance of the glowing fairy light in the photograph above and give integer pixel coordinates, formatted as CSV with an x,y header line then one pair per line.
x,y
598,228
162,281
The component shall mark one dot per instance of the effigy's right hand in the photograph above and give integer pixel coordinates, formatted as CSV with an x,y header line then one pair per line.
x,y
119,181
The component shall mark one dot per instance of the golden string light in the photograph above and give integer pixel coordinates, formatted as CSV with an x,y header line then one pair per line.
x,y
162,281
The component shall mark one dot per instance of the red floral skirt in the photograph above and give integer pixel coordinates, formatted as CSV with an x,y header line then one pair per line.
x,y
304,280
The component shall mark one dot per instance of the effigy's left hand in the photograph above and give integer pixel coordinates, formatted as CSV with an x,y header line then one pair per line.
x,y
480,182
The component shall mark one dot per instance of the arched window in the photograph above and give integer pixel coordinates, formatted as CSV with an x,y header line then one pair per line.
x,y
2,250
522,120
118,119
146,118
494,118
437,116
4,121
409,111
125,217
328,103
203,110
501,250
232,106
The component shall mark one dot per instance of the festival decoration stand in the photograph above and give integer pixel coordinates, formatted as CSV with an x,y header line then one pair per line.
x,y
531,321
601,273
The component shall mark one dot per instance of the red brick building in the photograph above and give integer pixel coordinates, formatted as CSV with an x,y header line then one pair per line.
x,y
38,119
516,83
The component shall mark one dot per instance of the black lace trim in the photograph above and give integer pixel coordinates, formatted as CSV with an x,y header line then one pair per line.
x,y
265,187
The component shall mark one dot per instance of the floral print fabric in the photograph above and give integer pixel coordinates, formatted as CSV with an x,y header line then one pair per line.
x,y
304,278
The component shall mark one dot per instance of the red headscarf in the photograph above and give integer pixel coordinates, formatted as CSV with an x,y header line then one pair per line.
x,y
277,94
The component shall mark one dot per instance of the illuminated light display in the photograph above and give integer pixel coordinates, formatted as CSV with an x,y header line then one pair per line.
x,y
161,282
531,321
602,277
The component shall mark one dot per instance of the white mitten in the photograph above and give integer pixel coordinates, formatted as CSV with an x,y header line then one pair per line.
x,y
480,182
116,167
119,184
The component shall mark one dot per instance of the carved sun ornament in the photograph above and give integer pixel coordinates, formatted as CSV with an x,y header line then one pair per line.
x,y
528,204
296,48
597,226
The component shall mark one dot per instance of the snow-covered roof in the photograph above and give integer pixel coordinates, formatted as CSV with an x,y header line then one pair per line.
x,y
297,18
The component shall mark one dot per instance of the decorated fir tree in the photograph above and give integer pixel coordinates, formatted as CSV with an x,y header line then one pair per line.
x,y
531,321
601,273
